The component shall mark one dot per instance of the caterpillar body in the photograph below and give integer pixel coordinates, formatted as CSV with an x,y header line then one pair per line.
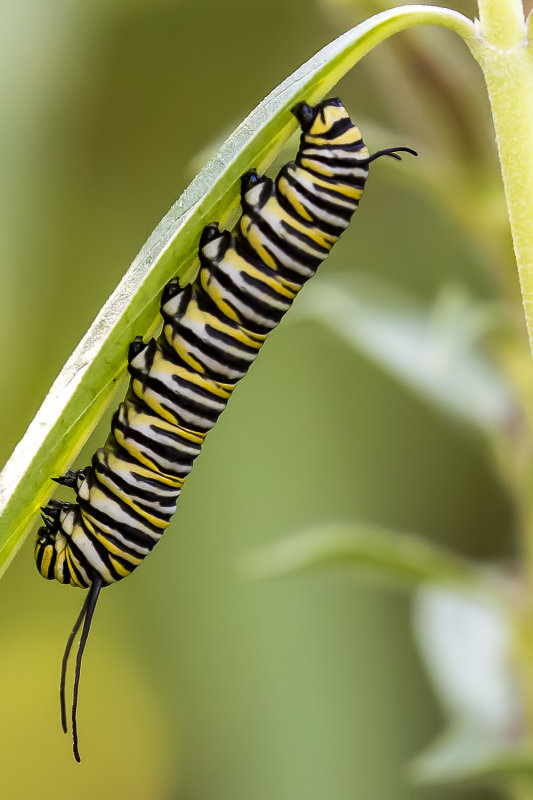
x,y
181,382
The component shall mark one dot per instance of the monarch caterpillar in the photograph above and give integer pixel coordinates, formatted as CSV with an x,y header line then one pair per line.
x,y
180,383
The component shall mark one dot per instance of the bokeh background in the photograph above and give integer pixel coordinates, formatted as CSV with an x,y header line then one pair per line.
x,y
198,683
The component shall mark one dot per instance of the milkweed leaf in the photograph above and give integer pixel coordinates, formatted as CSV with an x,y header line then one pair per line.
x,y
383,556
436,352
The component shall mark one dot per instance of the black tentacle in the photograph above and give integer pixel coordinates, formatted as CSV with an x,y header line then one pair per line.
x,y
85,616
64,663
392,152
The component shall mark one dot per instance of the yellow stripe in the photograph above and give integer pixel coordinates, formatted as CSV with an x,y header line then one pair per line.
x,y
130,447
275,282
99,500
133,419
350,136
125,498
181,349
162,366
273,208
72,575
212,291
112,548
47,558
239,334
316,166
340,188
288,191
255,239
122,571
117,465
326,118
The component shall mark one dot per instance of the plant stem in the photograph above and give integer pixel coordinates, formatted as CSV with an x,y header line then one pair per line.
x,y
505,58
502,21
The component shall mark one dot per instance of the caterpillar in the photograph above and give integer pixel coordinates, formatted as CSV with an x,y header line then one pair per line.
x,y
180,382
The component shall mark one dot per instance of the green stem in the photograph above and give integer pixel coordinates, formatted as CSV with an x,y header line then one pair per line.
x,y
505,58
502,22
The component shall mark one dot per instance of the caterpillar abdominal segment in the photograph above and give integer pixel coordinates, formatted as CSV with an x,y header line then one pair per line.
x,y
181,382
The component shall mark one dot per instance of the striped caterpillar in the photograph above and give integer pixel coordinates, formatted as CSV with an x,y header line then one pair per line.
x,y
180,383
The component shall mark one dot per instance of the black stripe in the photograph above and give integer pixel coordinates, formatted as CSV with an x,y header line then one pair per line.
x,y
287,248
334,180
177,399
333,161
199,342
121,453
101,460
207,350
204,301
87,506
268,291
128,531
137,407
175,404
354,147
119,449
322,225
71,568
305,239
319,199
144,496
250,302
103,552
323,192
52,564
109,537
39,555
173,464
336,129
179,468
177,439
127,565
185,383
244,250
170,355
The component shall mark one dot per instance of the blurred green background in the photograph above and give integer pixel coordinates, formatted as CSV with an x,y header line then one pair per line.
x,y
199,684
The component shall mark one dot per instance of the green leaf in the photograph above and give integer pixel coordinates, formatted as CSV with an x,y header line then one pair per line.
x,y
84,386
384,556
436,353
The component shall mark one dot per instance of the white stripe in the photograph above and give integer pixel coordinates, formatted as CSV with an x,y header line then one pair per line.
x,y
84,544
245,311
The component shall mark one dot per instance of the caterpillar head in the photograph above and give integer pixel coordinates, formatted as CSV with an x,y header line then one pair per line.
x,y
51,540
